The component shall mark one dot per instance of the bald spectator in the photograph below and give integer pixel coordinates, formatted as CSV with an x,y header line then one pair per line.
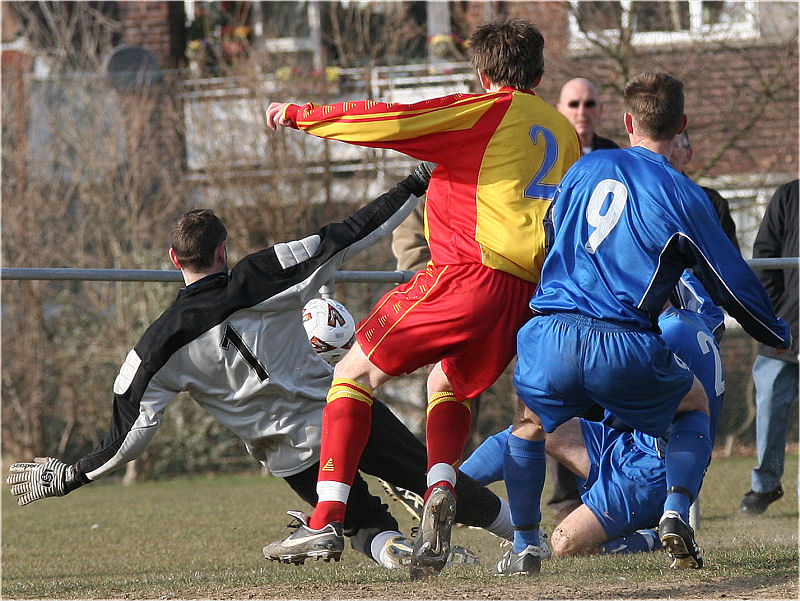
x,y
580,103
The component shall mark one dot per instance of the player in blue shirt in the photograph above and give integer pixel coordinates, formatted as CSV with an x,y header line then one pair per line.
x,y
623,477
624,226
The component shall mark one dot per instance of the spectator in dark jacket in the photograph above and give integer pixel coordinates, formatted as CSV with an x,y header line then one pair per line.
x,y
775,375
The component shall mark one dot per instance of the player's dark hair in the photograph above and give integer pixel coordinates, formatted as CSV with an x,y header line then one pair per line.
x,y
195,237
508,52
655,101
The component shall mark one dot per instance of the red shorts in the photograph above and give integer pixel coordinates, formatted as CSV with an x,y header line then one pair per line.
x,y
465,316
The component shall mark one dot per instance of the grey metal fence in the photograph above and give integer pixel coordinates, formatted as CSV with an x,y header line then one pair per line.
x,y
172,275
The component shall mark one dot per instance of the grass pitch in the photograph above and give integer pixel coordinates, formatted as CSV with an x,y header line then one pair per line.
x,y
201,537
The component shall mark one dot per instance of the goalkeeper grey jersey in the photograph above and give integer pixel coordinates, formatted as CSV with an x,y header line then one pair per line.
x,y
236,343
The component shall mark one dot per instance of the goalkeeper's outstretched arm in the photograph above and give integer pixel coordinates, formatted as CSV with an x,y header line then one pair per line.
x,y
134,422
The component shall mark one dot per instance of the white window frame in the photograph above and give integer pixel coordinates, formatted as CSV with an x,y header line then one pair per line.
x,y
698,31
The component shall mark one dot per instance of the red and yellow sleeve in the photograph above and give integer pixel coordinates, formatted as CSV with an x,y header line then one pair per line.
x,y
393,125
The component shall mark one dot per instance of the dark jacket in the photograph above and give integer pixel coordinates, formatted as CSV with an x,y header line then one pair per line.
x,y
601,143
724,213
777,237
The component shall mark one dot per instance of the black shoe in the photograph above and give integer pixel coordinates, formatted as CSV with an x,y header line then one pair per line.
x,y
678,540
756,503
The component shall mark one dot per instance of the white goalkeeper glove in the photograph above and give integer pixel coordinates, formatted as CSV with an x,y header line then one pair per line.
x,y
45,477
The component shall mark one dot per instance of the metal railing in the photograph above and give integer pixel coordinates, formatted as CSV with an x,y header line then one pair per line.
x,y
173,275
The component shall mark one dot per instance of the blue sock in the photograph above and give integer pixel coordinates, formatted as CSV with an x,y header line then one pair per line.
x,y
687,457
523,471
485,464
641,541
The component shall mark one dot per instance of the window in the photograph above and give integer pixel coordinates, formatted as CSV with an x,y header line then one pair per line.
x,y
653,23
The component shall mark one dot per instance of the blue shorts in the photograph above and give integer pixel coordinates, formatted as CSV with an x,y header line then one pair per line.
x,y
566,362
627,483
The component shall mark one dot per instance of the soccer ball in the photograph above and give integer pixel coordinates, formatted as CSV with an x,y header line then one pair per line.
x,y
330,328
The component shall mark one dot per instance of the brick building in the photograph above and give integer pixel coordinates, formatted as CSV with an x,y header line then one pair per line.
x,y
156,26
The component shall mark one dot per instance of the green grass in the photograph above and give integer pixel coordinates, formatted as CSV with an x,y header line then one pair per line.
x,y
201,537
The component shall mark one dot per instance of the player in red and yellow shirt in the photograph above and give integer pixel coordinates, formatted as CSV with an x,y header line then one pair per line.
x,y
499,156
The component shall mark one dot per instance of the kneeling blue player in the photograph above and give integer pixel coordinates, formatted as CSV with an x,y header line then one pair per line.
x,y
622,475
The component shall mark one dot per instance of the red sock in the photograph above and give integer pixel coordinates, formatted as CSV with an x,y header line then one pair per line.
x,y
447,428
326,512
434,485
346,423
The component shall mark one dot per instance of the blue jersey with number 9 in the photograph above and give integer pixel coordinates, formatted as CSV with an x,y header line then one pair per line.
x,y
625,225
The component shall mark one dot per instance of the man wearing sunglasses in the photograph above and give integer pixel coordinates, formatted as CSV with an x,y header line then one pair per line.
x,y
580,103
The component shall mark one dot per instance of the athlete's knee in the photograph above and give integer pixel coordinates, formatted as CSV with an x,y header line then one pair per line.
x,y
527,424
567,438
557,542
564,543
356,366
441,391
438,381
351,365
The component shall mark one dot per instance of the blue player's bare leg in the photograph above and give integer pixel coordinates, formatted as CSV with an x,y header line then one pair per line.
x,y
581,533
